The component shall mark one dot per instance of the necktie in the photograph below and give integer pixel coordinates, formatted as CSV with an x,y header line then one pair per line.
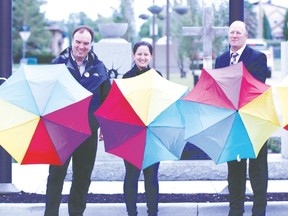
x,y
233,58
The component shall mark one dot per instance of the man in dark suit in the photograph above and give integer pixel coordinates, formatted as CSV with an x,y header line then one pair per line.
x,y
256,63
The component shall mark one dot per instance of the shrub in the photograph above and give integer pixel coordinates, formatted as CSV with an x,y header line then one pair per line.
x,y
274,144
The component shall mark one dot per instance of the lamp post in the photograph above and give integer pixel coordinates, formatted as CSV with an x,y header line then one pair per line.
x,y
167,40
6,185
181,10
24,34
155,10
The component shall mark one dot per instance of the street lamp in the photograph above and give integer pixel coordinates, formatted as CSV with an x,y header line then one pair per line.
x,y
24,34
155,10
167,39
181,10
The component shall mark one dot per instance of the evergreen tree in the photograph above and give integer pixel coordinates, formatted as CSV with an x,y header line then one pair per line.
x,y
285,28
27,13
266,28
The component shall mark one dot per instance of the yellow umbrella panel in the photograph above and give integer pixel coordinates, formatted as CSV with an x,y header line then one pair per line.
x,y
15,120
282,97
260,119
145,92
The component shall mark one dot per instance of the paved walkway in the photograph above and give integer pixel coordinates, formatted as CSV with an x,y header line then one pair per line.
x,y
32,178
165,209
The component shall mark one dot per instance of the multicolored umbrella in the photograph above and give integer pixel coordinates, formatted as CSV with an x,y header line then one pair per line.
x,y
43,114
229,114
281,93
141,121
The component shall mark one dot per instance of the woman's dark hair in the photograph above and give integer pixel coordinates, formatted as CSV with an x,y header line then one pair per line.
x,y
83,28
143,43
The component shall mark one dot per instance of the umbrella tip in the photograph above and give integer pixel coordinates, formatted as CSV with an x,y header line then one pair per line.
x,y
238,158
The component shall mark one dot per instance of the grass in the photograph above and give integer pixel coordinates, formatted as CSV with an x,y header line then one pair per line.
x,y
187,81
277,64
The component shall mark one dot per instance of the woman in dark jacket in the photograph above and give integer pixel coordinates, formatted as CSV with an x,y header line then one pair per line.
x,y
142,54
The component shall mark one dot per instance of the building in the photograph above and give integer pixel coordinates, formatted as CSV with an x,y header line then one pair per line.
x,y
57,41
275,15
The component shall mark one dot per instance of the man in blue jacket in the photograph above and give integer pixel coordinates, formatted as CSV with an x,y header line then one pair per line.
x,y
256,63
91,73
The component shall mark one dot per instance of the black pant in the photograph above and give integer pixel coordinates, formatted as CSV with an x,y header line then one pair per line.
x,y
151,188
83,160
258,173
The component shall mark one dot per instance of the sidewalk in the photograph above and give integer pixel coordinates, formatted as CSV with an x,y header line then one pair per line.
x,y
165,209
32,178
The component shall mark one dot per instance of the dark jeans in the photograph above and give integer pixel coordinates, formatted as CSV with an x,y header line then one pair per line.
x,y
151,188
83,160
258,173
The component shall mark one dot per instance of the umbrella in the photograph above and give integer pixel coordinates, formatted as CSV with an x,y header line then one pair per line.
x,y
141,121
281,93
43,114
229,114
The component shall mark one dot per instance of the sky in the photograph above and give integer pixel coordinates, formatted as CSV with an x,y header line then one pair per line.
x,y
57,10
60,9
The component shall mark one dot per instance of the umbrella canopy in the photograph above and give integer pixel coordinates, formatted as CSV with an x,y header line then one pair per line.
x,y
43,114
229,114
281,93
141,121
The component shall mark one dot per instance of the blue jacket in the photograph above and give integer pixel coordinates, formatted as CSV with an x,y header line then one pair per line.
x,y
254,61
98,82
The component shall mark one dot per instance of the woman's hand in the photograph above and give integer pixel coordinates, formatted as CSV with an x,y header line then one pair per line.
x,y
101,137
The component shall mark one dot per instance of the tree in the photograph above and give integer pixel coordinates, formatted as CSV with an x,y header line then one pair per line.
x,y
220,44
285,28
250,19
188,47
27,12
266,28
127,11
76,19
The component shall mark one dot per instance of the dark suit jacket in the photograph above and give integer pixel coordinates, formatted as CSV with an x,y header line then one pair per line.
x,y
254,61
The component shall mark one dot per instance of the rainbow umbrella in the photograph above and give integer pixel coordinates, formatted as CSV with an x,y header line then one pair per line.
x,y
43,114
281,95
229,114
141,121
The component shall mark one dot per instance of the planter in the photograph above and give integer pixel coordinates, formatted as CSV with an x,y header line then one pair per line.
x,y
144,16
112,30
181,9
155,9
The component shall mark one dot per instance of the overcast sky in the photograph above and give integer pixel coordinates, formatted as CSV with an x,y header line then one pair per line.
x,y
58,10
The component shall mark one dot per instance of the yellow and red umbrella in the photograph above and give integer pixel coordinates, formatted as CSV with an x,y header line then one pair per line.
x,y
141,121
281,93
43,114
229,114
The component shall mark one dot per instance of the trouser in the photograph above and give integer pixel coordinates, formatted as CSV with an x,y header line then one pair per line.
x,y
151,188
83,160
258,173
